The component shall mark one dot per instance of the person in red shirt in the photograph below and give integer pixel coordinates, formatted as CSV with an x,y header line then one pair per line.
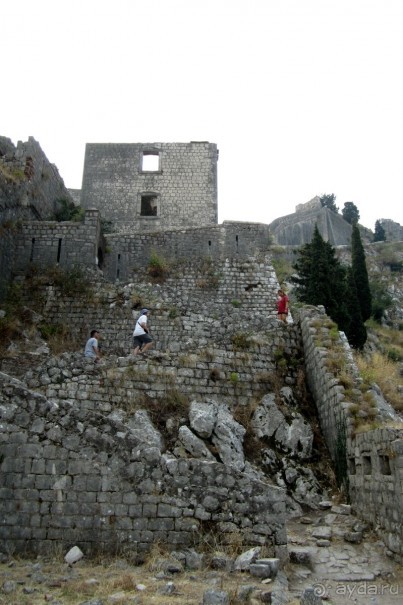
x,y
282,306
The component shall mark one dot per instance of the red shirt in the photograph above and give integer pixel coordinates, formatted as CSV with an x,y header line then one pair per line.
x,y
282,304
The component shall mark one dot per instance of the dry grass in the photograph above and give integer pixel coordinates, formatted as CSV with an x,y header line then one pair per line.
x,y
385,373
57,582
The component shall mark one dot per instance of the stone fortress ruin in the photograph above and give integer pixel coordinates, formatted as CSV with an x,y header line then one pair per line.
x,y
83,460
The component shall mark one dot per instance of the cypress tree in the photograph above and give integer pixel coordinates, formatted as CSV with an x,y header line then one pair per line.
x,y
320,279
360,273
379,235
356,331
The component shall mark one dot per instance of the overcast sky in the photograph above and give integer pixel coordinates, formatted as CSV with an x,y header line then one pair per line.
x,y
302,97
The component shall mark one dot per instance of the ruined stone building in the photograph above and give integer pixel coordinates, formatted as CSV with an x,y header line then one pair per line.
x,y
74,467
147,187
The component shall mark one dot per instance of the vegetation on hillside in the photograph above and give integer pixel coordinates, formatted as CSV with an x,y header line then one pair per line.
x,y
322,280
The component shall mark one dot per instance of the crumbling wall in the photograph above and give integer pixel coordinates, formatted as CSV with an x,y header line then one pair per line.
x,y
73,476
36,186
373,460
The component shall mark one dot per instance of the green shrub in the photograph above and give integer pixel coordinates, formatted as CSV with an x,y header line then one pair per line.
x,y
67,211
234,377
157,266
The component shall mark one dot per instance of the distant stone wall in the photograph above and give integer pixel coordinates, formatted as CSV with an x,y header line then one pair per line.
x,y
70,476
181,189
393,230
297,229
313,204
373,459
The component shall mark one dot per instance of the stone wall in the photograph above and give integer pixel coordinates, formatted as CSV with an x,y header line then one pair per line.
x,y
234,377
182,189
297,229
71,476
198,302
120,256
393,230
49,243
30,186
374,458
128,252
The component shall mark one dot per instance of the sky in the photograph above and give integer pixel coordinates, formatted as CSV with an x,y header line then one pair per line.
x,y
302,97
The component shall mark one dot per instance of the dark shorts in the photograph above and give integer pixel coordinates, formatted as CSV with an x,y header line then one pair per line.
x,y
140,340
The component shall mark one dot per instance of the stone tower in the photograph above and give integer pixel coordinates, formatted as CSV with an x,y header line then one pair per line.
x,y
152,186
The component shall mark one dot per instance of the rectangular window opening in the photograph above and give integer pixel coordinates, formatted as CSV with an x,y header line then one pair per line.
x,y
384,465
148,205
150,161
31,256
59,250
366,465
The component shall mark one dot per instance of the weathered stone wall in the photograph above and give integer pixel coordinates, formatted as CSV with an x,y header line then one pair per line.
x,y
234,377
184,186
197,302
374,459
71,476
120,256
376,482
393,230
297,229
127,252
50,243
29,188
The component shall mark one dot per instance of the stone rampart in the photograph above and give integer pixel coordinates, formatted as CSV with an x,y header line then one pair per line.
x,y
73,476
50,243
126,252
373,460
297,229
67,244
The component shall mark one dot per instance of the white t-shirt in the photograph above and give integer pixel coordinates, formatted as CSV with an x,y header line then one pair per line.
x,y
89,350
138,330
